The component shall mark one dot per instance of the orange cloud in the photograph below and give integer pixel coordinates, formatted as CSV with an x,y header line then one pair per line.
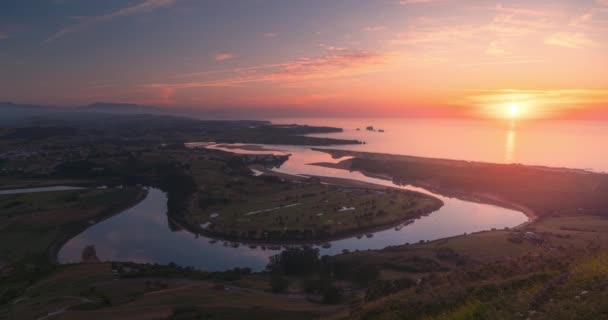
x,y
570,40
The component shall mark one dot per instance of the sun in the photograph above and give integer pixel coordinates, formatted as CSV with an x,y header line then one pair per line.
x,y
514,111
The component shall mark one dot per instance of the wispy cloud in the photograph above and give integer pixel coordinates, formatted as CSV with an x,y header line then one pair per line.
x,y
3,35
507,22
270,35
438,34
522,11
374,28
496,48
572,40
224,56
582,20
503,62
332,65
332,48
85,22
408,2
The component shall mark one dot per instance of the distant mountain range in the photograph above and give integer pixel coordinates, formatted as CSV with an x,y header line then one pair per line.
x,y
107,107
110,107
10,112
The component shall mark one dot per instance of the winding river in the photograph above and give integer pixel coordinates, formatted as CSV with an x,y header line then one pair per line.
x,y
142,233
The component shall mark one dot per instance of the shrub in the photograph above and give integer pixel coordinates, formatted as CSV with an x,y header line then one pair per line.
x,y
332,295
279,284
365,274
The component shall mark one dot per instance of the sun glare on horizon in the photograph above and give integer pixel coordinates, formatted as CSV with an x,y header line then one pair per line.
x,y
514,111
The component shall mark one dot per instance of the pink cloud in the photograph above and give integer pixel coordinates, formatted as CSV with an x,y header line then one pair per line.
x,y
224,56
522,11
375,28
331,65
408,2
332,48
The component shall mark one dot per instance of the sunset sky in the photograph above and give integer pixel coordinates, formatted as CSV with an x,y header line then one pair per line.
x,y
547,59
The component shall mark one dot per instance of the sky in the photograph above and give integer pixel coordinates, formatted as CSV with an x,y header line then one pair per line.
x,y
441,58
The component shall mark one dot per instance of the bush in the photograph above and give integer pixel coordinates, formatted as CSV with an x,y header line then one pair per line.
x,y
279,284
332,295
365,274
310,285
448,254
8,295
383,288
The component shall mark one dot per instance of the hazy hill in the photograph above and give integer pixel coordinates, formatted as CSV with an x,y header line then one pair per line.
x,y
111,107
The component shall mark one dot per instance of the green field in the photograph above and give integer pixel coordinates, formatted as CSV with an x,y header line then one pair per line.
x,y
306,210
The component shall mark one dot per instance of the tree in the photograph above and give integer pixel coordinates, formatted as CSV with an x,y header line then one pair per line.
x,y
295,261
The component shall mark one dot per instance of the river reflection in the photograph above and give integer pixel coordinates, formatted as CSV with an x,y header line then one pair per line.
x,y
142,233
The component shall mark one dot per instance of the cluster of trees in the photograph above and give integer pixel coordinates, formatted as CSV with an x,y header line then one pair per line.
x,y
172,270
304,262
317,274
179,187
295,261
23,274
